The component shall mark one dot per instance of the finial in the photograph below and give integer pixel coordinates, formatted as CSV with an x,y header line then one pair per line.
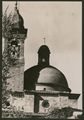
x,y
44,40
16,5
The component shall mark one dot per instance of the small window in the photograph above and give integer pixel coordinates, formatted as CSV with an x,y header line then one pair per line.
x,y
44,89
45,104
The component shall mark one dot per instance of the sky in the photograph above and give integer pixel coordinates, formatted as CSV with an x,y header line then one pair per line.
x,y
61,24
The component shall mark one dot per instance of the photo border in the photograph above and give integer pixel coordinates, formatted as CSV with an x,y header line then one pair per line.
x,y
1,52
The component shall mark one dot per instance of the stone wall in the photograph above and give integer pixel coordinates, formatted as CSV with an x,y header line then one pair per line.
x,y
63,100
29,103
16,79
25,103
17,103
73,103
56,102
16,71
53,102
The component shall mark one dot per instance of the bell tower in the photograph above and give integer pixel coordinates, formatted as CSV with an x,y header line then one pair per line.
x,y
16,51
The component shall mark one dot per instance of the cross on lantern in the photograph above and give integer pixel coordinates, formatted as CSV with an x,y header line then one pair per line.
x,y
16,4
44,40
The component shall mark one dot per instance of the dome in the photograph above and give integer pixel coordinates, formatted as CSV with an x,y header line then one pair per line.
x,y
18,21
44,76
53,77
47,76
44,49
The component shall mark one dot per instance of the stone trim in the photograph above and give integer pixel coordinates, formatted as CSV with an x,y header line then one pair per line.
x,y
54,93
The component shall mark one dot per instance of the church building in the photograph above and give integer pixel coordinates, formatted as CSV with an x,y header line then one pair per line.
x,y
40,88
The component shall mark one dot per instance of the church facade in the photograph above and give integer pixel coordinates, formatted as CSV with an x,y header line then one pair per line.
x,y
40,88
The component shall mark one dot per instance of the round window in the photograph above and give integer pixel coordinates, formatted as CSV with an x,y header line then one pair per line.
x,y
45,104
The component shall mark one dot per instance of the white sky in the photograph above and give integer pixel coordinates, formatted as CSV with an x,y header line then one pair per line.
x,y
61,24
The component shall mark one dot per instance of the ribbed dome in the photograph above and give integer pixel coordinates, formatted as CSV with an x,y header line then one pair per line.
x,y
52,76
